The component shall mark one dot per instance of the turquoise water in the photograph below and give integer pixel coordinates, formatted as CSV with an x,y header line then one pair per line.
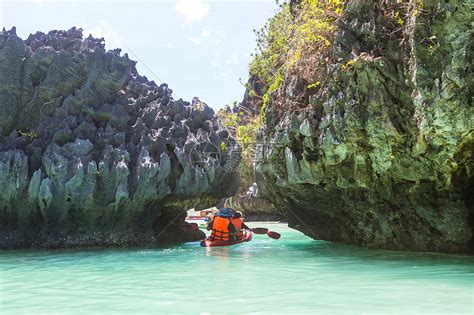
x,y
293,275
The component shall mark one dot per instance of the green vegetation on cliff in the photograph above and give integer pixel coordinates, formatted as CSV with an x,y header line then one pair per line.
x,y
366,121
243,126
296,36
296,39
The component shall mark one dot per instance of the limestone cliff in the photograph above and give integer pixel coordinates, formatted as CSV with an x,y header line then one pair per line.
x,y
91,153
368,139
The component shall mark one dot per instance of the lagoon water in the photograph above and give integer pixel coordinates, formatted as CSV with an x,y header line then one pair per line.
x,y
293,275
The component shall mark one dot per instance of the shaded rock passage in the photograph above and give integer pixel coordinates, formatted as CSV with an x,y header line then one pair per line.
x,y
91,153
256,208
381,154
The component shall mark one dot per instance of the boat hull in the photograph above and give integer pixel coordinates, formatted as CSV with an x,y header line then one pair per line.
x,y
214,243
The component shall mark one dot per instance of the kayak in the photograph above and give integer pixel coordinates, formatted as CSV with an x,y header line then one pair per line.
x,y
212,243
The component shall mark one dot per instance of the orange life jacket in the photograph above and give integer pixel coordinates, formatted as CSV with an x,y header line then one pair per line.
x,y
237,223
220,229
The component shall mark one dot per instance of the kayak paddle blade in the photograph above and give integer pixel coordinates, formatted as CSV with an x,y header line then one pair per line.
x,y
260,230
274,235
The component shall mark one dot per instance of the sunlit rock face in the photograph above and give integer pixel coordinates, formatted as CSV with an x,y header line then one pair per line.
x,y
91,153
381,154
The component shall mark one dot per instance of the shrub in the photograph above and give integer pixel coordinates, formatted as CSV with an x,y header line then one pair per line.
x,y
244,127
296,40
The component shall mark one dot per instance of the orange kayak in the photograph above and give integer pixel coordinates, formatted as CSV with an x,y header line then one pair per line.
x,y
212,243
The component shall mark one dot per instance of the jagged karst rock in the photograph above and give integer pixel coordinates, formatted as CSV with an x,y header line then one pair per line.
x,y
91,153
381,154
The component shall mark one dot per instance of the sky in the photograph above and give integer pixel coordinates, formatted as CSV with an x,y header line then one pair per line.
x,y
198,47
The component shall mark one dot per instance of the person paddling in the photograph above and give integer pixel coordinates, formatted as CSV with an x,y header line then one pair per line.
x,y
239,225
221,226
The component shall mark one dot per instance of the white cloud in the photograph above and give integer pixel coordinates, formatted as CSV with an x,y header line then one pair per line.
x,y
105,30
221,67
195,40
205,33
192,10
232,60
201,38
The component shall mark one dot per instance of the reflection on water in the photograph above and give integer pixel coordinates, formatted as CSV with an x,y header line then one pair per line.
x,y
221,253
293,275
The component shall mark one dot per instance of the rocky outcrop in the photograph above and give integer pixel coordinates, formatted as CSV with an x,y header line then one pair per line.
x,y
254,207
380,153
91,153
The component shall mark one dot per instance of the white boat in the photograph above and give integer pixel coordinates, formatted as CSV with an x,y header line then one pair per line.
x,y
198,216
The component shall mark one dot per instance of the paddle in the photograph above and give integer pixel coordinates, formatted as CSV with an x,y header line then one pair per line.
x,y
271,234
259,230
274,235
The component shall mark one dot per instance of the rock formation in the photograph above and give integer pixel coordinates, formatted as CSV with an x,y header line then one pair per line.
x,y
379,153
254,207
91,153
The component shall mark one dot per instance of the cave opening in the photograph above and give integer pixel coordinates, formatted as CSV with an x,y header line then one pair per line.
x,y
171,226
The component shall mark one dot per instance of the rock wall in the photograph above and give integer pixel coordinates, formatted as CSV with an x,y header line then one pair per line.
x,y
256,208
380,154
91,153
